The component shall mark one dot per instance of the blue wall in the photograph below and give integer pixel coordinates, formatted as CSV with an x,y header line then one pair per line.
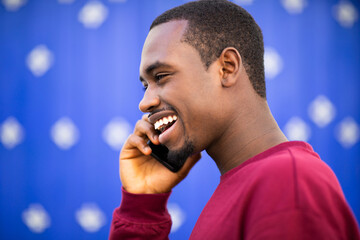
x,y
69,94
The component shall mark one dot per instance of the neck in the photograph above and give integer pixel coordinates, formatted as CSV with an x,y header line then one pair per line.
x,y
245,137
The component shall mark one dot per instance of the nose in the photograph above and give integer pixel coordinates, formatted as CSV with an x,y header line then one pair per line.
x,y
149,101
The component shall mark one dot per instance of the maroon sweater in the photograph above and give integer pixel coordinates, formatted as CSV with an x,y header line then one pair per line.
x,y
286,192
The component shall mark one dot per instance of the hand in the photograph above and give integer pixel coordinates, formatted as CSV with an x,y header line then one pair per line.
x,y
139,171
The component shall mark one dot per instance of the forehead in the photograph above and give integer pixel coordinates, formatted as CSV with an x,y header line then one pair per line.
x,y
162,43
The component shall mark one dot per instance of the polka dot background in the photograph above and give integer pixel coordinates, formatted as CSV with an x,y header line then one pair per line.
x,y
69,94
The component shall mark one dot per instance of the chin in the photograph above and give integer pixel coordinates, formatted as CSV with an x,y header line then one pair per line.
x,y
180,155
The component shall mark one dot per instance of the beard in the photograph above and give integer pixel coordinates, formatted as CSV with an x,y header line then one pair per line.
x,y
178,157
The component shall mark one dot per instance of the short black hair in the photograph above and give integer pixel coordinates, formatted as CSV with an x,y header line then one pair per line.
x,y
214,25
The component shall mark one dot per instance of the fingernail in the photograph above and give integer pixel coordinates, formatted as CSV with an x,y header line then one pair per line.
x,y
146,148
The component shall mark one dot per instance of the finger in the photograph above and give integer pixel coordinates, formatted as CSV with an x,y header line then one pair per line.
x,y
145,117
135,141
145,129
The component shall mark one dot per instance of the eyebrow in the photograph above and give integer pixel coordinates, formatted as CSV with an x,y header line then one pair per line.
x,y
152,67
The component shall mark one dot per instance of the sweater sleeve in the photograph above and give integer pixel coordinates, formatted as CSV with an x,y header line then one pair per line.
x,y
141,216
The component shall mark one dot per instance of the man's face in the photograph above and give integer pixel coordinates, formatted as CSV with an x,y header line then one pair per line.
x,y
181,96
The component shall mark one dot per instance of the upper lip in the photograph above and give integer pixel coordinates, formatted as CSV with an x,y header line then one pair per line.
x,y
154,117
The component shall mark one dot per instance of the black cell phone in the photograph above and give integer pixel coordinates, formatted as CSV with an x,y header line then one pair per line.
x,y
160,153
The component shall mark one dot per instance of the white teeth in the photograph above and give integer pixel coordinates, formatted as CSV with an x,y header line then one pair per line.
x,y
164,121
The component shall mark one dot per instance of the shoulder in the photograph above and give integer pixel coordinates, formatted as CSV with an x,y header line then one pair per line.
x,y
294,161
296,177
289,170
294,183
283,162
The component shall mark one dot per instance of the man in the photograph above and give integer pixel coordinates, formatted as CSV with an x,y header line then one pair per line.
x,y
202,68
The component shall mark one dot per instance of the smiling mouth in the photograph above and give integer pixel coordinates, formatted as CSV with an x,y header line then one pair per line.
x,y
165,123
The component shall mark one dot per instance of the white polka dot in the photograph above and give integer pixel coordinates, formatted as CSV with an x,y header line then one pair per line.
x,y
294,6
177,216
273,63
13,5
36,218
116,132
321,111
11,133
346,14
347,132
64,133
93,14
39,60
297,129
90,217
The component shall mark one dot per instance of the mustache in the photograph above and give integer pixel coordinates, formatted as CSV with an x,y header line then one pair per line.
x,y
169,108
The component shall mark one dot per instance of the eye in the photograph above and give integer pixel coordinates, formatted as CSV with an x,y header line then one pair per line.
x,y
145,85
160,76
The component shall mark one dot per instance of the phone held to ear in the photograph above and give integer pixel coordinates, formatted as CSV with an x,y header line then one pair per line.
x,y
160,152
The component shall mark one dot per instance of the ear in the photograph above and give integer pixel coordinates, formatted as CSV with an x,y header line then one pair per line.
x,y
231,63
